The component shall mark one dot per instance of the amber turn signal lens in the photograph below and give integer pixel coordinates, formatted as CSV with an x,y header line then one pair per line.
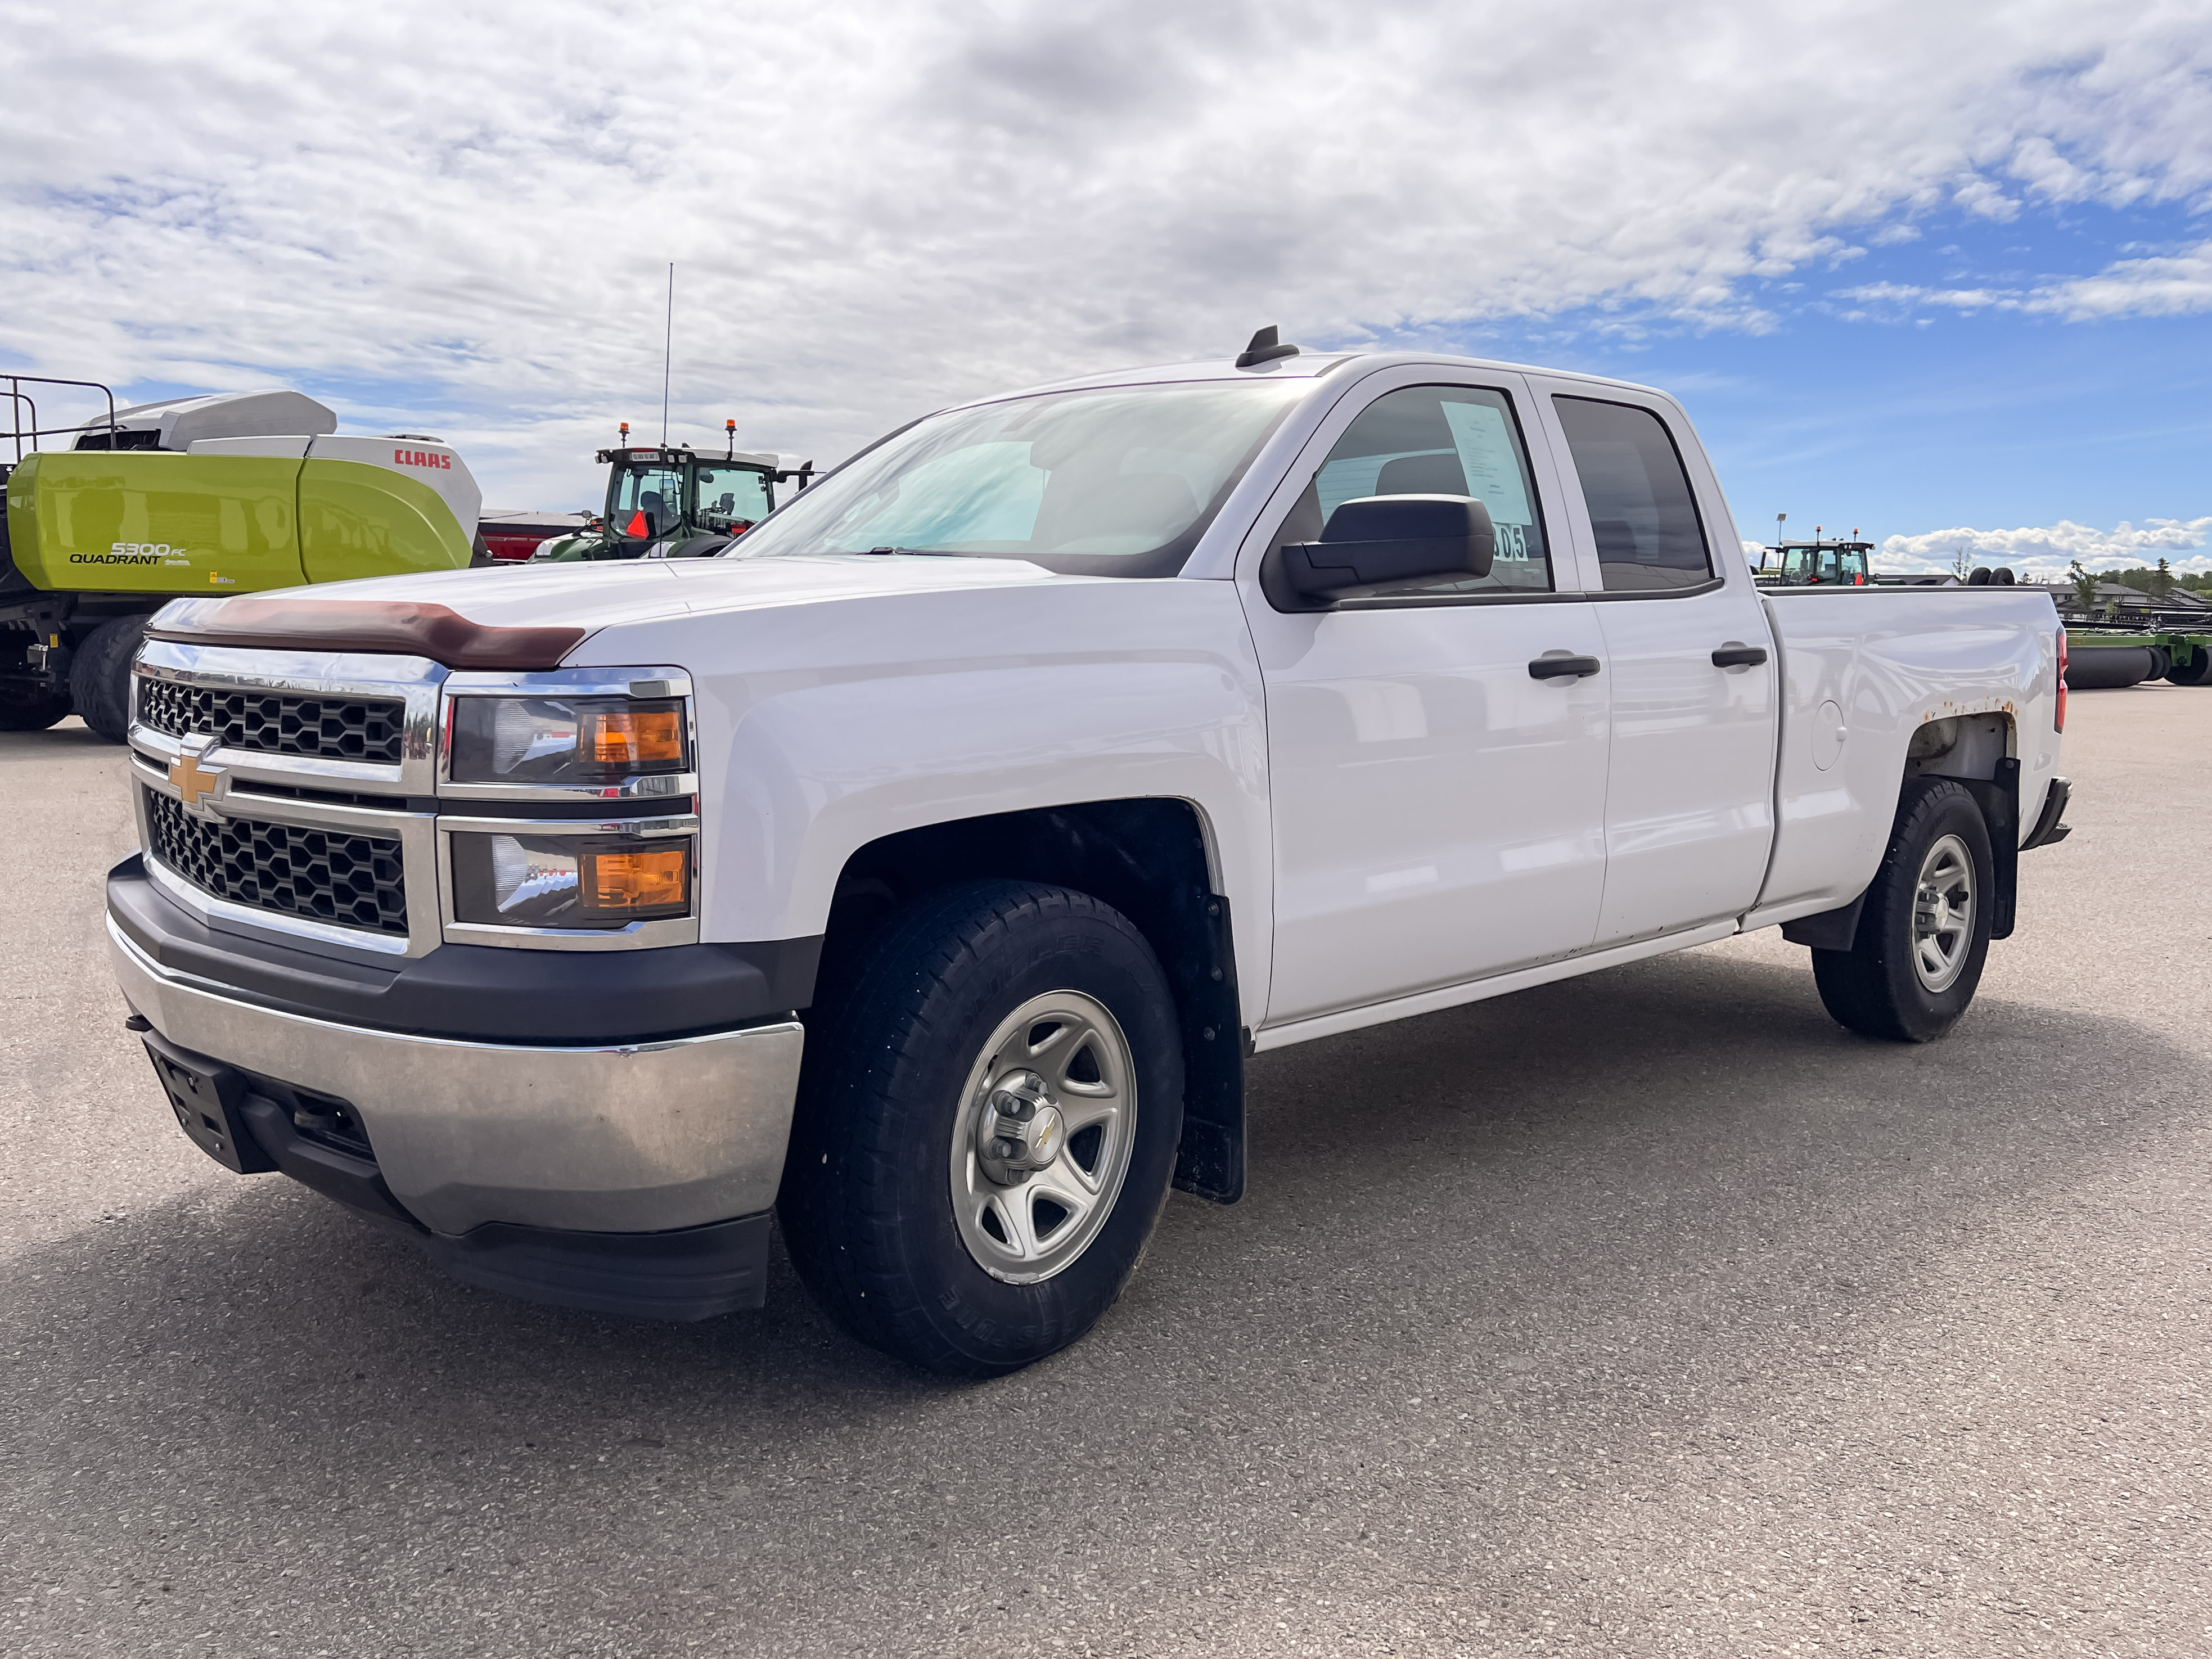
x,y
638,737
657,880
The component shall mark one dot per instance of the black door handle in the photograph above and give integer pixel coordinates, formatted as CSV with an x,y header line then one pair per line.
x,y
1744,656
1558,668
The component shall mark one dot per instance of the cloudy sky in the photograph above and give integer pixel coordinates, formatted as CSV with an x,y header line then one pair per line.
x,y
1943,272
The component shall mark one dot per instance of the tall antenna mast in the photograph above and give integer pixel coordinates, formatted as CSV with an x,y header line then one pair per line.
x,y
667,351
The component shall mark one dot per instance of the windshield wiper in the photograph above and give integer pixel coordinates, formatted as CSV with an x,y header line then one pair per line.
x,y
917,552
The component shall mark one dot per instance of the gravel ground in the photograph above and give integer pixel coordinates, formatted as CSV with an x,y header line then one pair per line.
x,y
1650,1314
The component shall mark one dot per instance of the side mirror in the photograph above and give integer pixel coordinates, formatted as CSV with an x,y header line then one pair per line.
x,y
1382,541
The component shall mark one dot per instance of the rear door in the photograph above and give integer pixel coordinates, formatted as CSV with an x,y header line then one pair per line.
x,y
1437,811
1689,819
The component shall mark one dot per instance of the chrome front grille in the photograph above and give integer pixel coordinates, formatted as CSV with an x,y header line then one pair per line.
x,y
277,722
321,875
302,795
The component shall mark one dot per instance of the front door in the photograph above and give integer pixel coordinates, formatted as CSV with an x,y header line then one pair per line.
x,y
1437,810
1689,818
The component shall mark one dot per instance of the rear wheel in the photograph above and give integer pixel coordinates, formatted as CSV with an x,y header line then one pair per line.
x,y
100,675
1924,930
25,708
987,1125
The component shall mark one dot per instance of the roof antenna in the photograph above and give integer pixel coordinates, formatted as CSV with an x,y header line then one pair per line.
x,y
667,353
1266,347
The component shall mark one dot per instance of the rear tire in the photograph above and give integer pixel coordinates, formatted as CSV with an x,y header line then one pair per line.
x,y
887,1207
1923,932
100,676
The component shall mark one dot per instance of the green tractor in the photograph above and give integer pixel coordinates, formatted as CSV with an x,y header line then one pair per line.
x,y
673,502
235,493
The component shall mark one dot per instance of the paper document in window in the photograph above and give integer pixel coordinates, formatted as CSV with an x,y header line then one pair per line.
x,y
1494,472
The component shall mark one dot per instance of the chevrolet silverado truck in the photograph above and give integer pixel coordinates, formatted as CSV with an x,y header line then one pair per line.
x,y
923,872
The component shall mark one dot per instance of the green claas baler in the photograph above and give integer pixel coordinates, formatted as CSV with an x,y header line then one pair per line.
x,y
235,493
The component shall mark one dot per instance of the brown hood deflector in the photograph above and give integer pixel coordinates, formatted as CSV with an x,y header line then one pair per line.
x,y
385,627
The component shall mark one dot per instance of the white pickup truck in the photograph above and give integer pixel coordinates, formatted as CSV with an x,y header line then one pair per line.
x,y
924,873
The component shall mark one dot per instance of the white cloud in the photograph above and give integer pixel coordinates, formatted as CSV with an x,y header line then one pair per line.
x,y
2135,288
1905,294
2043,552
876,208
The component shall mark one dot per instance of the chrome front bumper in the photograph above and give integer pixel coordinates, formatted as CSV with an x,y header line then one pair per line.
x,y
645,1137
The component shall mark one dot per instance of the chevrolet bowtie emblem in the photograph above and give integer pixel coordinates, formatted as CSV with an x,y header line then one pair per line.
x,y
193,782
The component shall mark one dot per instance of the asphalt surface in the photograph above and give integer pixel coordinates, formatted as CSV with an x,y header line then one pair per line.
x,y
1650,1314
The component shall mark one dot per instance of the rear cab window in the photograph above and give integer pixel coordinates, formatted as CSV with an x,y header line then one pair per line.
x,y
1643,513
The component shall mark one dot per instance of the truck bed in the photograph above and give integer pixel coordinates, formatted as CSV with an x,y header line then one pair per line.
x,y
1874,664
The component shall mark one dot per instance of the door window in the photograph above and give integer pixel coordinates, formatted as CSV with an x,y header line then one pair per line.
x,y
645,500
1641,512
732,497
1439,440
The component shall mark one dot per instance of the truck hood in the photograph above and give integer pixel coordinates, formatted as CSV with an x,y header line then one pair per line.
x,y
597,596
536,617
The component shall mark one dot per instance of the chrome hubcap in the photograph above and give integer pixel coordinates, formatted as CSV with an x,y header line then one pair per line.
x,y
1943,914
1043,1140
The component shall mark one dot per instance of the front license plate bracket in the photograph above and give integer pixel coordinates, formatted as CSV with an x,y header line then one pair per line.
x,y
206,1098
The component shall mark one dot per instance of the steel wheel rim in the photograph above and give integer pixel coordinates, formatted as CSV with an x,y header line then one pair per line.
x,y
1943,914
1024,1225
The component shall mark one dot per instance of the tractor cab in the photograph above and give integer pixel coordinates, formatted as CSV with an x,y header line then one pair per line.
x,y
1817,564
670,501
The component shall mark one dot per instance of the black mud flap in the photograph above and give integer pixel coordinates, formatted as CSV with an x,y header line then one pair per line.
x,y
1210,1161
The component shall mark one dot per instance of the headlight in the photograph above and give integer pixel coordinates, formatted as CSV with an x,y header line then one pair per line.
x,y
570,881
576,740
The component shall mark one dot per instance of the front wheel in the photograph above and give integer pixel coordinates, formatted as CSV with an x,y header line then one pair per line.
x,y
1925,929
987,1125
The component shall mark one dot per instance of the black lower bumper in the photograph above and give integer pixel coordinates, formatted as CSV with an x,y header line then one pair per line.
x,y
255,1124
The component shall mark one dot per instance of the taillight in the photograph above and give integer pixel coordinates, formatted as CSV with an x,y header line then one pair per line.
x,y
2058,718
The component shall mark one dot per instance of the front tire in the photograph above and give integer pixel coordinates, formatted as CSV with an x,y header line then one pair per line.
x,y
987,1125
1923,932
100,675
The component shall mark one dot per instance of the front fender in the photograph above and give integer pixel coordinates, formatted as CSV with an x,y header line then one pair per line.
x,y
826,725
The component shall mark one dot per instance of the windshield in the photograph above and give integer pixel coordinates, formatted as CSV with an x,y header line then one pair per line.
x,y
644,501
732,497
1119,480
